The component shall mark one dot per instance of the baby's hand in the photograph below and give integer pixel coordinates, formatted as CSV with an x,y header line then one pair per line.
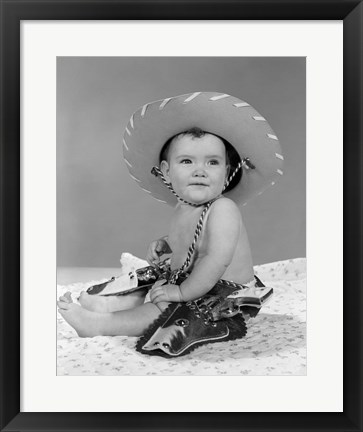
x,y
165,293
156,249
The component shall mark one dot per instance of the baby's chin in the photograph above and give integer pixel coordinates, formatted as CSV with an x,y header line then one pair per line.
x,y
199,198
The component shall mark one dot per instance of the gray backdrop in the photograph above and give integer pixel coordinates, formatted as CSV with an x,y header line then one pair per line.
x,y
101,211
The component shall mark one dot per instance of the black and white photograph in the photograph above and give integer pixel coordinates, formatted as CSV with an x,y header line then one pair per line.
x,y
180,191
181,216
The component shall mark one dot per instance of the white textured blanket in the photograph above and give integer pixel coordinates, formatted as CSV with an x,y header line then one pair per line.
x,y
275,343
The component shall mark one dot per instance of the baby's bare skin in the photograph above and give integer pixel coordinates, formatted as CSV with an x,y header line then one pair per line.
x,y
197,171
240,268
132,322
99,303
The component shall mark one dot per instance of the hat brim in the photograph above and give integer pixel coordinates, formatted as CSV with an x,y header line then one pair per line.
x,y
231,118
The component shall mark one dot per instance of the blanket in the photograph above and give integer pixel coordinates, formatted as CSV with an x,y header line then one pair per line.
x,y
275,343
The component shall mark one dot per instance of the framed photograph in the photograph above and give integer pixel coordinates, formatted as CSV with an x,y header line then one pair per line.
x,y
97,94
72,74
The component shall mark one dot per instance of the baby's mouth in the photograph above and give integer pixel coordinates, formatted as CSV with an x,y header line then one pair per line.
x,y
198,184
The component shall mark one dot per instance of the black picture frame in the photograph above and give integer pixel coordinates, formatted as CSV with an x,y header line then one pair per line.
x,y
12,12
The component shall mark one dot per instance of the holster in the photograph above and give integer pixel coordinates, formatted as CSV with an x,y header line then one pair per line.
x,y
182,327
218,316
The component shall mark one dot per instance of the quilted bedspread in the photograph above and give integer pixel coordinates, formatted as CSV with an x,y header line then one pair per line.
x,y
275,343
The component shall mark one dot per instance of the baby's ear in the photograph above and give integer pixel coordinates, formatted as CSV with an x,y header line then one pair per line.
x,y
164,166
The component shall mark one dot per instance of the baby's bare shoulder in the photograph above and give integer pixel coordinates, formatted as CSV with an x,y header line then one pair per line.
x,y
224,209
225,205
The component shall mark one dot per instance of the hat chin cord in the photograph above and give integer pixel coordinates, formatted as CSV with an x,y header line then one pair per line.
x,y
157,172
245,163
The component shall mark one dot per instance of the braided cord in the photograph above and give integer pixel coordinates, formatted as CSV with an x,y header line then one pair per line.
x,y
157,172
192,247
231,177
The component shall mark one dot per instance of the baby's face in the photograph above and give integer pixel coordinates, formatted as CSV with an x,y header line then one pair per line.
x,y
196,167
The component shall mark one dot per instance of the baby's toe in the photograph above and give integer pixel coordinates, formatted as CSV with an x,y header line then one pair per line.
x,y
68,296
64,305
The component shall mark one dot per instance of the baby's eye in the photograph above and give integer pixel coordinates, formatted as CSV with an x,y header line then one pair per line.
x,y
185,161
213,162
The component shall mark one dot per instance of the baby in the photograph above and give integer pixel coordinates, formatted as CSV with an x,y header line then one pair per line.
x,y
199,168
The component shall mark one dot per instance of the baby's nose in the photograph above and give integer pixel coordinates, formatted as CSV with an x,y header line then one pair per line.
x,y
199,172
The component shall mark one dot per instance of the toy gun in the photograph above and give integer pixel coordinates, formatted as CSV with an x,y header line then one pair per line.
x,y
143,278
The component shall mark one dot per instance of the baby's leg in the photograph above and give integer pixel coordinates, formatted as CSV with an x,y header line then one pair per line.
x,y
132,322
98,303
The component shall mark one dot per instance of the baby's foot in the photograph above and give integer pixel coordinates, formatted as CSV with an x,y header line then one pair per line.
x,y
98,303
86,323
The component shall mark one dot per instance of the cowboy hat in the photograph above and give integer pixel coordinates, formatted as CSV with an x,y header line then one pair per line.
x,y
217,113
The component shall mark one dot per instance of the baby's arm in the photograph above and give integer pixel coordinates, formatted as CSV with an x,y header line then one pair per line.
x,y
222,234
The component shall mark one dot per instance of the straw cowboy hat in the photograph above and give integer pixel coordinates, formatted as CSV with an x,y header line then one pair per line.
x,y
221,114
